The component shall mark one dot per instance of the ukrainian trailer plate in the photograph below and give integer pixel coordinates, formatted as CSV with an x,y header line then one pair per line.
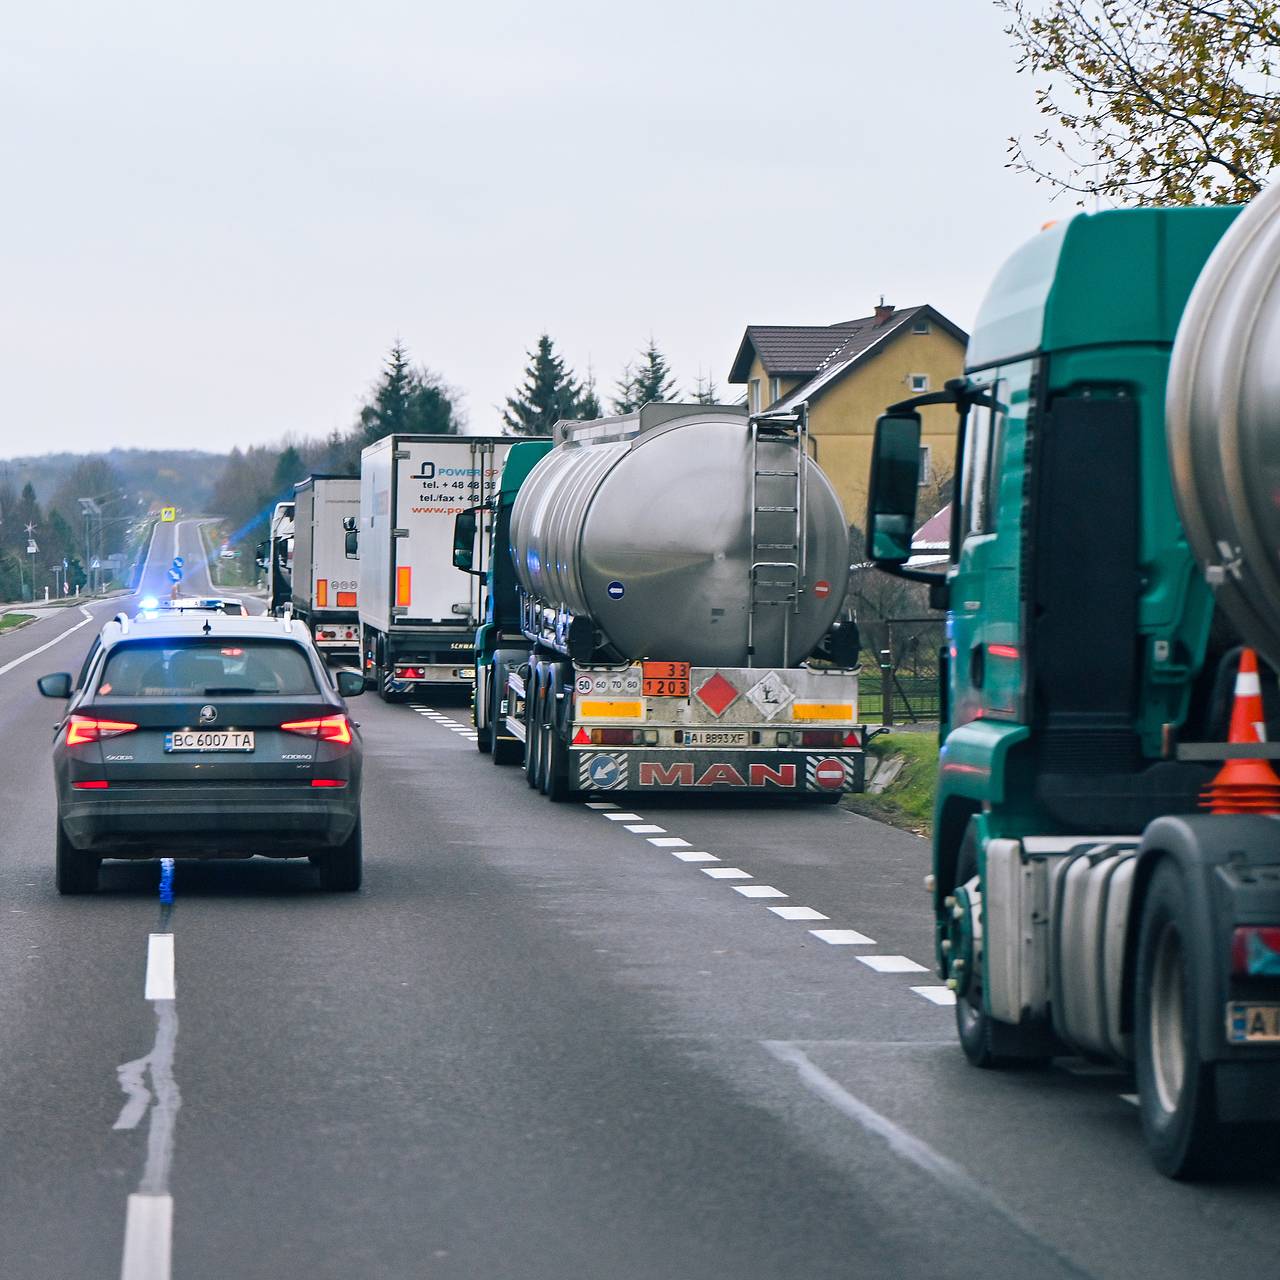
x,y
716,737
1253,1023
209,740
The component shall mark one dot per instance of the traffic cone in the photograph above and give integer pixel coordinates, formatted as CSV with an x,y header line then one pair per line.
x,y
1245,786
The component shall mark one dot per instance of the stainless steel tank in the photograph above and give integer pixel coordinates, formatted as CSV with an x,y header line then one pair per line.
x,y
644,525
1223,420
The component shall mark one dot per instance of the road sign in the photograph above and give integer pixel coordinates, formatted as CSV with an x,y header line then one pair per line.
x,y
178,562
31,547
168,513
175,575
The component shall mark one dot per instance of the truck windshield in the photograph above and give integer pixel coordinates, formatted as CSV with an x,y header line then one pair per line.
x,y
200,668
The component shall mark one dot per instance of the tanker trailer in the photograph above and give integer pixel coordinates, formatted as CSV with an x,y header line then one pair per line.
x,y
681,574
1106,854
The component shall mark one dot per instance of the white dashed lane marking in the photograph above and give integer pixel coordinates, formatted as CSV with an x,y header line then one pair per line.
x,y
681,849
892,964
843,937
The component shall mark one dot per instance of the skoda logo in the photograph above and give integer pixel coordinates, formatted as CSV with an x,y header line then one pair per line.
x,y
208,714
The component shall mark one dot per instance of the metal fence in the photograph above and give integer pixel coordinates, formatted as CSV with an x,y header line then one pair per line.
x,y
901,684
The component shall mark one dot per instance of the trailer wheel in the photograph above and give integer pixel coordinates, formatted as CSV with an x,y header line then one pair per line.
x,y
533,728
987,1042
1176,1099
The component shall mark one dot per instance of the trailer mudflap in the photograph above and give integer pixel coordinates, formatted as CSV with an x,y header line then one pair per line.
x,y
815,772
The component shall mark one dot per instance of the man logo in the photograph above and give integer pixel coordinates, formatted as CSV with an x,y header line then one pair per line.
x,y
208,714
427,471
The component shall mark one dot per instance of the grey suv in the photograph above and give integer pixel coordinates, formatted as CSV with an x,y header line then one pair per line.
x,y
206,736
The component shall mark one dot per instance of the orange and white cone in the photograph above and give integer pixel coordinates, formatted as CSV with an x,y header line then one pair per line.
x,y
1245,786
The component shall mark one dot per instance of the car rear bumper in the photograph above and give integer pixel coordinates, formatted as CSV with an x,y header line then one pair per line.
x,y
180,820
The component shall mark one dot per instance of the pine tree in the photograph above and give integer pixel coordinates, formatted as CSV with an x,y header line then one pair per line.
x,y
649,380
408,399
549,393
589,400
290,468
705,391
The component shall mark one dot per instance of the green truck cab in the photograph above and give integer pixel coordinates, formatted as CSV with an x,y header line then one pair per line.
x,y
1084,899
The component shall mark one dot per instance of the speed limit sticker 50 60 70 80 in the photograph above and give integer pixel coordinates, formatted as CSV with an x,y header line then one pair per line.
x,y
608,682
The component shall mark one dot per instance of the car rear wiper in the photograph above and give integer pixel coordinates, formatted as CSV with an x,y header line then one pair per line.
x,y
228,690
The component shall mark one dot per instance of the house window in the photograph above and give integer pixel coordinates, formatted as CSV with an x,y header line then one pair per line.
x,y
919,382
753,401
775,389
920,326
926,467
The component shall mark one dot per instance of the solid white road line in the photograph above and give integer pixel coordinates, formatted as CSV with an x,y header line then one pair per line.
x,y
48,644
645,829
798,913
892,964
842,937
939,995
758,891
160,977
693,855
726,873
669,842
148,1238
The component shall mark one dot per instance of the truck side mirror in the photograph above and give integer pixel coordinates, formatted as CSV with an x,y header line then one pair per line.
x,y
464,540
351,543
894,487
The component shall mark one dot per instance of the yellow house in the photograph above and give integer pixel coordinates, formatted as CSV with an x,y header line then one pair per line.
x,y
849,373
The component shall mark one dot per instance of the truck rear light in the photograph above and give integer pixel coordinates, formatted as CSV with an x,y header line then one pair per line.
x,y
326,728
615,737
328,782
820,738
1255,951
82,729
410,673
91,785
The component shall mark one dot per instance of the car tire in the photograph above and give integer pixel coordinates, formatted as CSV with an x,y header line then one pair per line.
x,y
75,872
342,868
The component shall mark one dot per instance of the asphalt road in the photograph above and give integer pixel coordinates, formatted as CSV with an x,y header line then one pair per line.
x,y
539,1044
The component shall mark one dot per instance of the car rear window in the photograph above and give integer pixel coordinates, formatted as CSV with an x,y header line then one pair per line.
x,y
205,669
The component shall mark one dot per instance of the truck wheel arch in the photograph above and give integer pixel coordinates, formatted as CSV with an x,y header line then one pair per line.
x,y
953,822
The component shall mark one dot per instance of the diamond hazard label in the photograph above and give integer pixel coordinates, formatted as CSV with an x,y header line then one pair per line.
x,y
716,694
770,695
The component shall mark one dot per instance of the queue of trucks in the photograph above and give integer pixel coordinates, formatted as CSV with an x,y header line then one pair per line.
x,y
655,601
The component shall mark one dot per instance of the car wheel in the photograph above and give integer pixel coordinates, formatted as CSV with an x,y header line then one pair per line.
x,y
75,872
342,868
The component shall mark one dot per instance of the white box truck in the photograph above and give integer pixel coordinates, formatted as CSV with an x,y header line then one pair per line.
x,y
418,614
324,579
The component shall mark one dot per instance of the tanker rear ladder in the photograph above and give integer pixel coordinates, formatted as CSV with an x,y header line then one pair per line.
x,y
790,429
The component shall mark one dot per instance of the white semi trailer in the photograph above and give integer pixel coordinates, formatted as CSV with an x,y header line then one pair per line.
x,y
324,579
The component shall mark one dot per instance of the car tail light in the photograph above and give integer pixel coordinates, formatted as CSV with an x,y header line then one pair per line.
x,y
615,737
94,784
326,728
327,782
1255,951
82,729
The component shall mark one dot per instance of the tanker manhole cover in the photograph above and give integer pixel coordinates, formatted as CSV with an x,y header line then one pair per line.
x,y
716,694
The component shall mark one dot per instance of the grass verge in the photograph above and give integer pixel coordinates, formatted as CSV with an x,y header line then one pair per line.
x,y
10,620
907,802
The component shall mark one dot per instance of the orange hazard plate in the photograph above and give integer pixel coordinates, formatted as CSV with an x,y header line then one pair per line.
x,y
665,680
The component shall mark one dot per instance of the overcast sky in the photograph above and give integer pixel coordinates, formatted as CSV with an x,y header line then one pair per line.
x,y
216,218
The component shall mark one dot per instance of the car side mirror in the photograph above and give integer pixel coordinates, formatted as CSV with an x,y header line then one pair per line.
x,y
464,540
55,686
351,544
350,683
894,488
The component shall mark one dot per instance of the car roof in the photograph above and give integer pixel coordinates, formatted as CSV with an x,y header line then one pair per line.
x,y
197,626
